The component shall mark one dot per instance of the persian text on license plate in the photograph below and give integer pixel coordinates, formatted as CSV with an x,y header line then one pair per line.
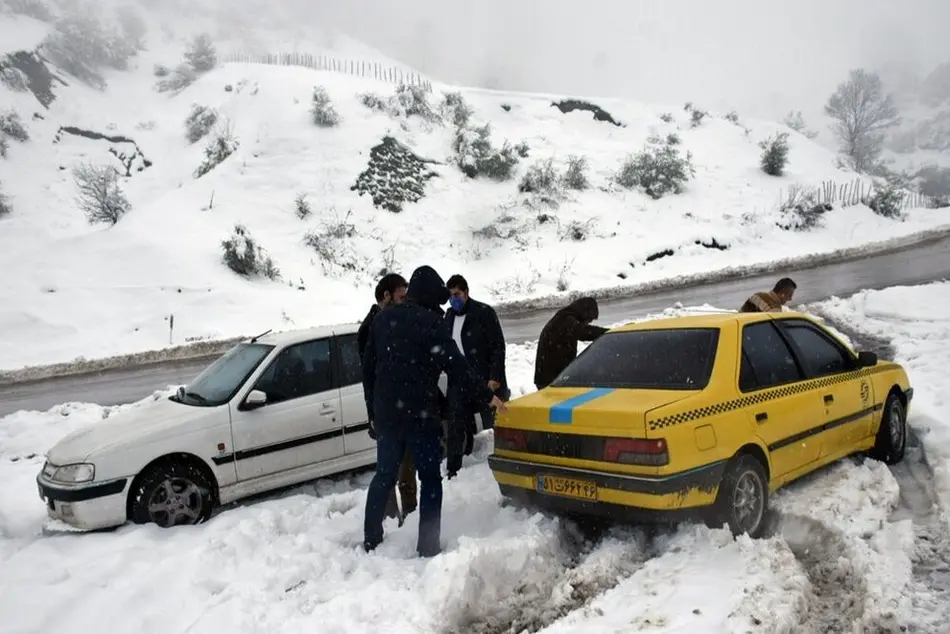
x,y
568,487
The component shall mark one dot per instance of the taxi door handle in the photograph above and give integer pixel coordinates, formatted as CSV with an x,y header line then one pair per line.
x,y
761,417
829,399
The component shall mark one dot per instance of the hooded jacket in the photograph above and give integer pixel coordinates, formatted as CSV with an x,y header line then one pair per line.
x,y
407,348
557,345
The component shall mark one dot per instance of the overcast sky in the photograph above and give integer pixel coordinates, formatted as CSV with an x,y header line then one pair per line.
x,y
760,57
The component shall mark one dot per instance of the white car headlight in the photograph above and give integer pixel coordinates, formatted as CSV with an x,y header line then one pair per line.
x,y
75,473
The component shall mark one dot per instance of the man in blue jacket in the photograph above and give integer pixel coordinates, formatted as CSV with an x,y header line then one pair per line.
x,y
477,331
408,347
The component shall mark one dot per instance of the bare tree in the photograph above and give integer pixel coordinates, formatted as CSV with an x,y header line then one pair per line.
x,y
100,196
796,121
862,111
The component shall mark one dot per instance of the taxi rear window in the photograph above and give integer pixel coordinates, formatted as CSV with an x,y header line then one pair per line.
x,y
661,359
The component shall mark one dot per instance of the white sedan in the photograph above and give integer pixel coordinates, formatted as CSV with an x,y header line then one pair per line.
x,y
273,411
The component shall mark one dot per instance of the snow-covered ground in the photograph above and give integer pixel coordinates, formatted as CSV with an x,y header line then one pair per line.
x,y
292,562
90,291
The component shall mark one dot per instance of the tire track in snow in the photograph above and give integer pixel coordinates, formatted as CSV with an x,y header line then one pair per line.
x,y
588,563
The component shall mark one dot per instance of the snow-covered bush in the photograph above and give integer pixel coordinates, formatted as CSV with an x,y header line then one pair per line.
x,y
886,201
132,25
100,196
302,207
81,46
333,243
160,70
796,121
373,101
775,154
35,9
11,126
395,175
657,169
575,231
244,256
322,110
5,207
199,122
13,78
732,116
201,54
456,110
672,139
667,117
475,155
4,146
801,211
541,178
696,115
575,175
180,78
221,145
413,101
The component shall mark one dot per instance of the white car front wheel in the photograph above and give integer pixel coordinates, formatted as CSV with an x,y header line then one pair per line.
x,y
172,494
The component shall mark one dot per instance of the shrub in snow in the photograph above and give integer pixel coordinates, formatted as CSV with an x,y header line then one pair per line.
x,y
801,211
199,122
658,170
696,117
132,25
12,127
413,101
221,146
100,196
244,256
796,121
570,105
13,78
775,154
5,207
81,46
4,146
201,55
395,175
732,116
322,111
456,110
886,201
475,155
179,78
373,102
301,206
672,139
575,175
333,243
541,178
575,231
667,117
862,111
160,70
35,9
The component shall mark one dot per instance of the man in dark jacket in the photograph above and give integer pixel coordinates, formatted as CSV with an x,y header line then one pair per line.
x,y
408,347
477,332
557,345
391,290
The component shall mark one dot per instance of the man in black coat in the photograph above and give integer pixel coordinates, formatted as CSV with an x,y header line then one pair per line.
x,y
391,290
557,345
408,347
477,332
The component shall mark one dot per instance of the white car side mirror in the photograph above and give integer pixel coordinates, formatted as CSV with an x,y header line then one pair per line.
x,y
255,399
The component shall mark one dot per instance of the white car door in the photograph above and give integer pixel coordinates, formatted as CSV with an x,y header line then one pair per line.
x,y
355,420
299,424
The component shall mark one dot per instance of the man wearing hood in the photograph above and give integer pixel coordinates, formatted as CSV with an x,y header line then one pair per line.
x,y
557,345
407,348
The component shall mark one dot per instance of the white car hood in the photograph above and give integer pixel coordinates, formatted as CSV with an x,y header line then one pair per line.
x,y
125,427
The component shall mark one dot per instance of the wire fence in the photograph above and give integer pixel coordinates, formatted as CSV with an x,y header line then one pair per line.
x,y
853,193
358,68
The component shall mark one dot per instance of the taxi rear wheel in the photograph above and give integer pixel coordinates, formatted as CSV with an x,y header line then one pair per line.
x,y
743,499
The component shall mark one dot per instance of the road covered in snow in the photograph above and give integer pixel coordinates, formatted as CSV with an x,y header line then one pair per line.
x,y
858,547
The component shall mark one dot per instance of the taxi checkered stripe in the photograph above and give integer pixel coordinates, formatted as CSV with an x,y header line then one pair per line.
x,y
761,397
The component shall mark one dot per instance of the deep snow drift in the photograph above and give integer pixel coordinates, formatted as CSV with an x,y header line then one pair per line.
x,y
291,562
93,291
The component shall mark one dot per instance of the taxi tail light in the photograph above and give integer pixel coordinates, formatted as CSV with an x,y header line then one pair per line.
x,y
639,451
510,439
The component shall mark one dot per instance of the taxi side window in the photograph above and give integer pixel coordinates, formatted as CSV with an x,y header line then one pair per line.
x,y
767,360
820,355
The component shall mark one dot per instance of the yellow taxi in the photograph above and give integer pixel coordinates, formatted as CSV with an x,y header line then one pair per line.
x,y
698,417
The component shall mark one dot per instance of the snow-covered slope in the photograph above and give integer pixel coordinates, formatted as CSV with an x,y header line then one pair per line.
x,y
93,291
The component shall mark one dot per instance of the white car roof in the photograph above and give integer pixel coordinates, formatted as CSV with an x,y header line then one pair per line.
x,y
290,337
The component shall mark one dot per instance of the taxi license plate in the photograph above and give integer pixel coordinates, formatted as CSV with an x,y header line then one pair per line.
x,y
567,487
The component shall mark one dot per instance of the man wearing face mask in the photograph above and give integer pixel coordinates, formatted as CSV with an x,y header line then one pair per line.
x,y
477,332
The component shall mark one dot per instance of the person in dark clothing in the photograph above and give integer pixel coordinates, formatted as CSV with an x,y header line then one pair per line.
x,y
770,302
408,347
557,345
391,290
477,332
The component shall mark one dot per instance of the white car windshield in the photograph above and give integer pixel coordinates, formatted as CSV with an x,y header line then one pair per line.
x,y
221,380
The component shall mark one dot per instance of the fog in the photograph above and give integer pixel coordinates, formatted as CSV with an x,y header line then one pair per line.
x,y
761,58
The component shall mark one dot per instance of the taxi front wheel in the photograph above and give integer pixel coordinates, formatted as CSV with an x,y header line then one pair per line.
x,y
743,498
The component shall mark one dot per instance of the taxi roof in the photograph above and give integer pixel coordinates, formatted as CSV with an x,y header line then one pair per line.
x,y
710,319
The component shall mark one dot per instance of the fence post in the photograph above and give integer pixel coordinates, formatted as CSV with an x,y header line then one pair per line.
x,y
171,328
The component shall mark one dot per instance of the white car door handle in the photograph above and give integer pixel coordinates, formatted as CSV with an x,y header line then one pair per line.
x,y
327,409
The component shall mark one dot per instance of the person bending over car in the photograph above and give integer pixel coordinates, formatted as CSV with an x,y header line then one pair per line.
x,y
771,302
407,348
557,345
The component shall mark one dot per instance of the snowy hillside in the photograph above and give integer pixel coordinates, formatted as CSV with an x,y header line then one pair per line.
x,y
95,290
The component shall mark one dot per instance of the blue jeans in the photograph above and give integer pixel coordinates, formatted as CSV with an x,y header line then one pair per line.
x,y
391,446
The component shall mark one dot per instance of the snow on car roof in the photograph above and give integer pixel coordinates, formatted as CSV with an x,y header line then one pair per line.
x,y
711,319
289,337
